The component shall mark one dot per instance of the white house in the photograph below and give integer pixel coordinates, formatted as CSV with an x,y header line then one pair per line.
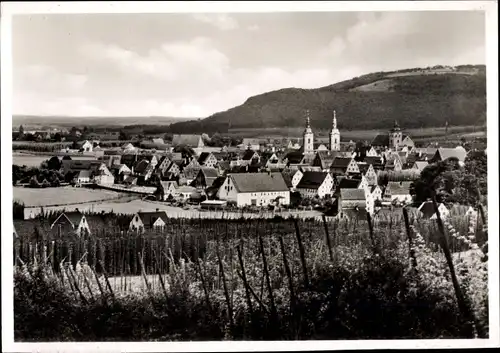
x,y
315,184
184,192
86,146
148,220
372,152
376,192
371,176
168,188
427,211
84,176
71,222
102,175
256,189
128,147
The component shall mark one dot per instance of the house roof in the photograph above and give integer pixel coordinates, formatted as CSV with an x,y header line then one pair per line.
x,y
190,173
251,141
167,184
427,209
381,140
259,182
141,166
75,217
346,183
209,172
373,160
203,157
326,158
312,180
130,179
149,218
187,140
352,194
287,176
248,155
341,162
84,174
294,157
158,141
399,187
186,189
445,153
421,164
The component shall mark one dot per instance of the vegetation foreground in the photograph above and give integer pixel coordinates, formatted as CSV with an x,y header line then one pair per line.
x,y
275,280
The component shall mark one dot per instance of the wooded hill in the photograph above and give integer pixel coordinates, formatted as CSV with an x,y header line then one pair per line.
x,y
416,98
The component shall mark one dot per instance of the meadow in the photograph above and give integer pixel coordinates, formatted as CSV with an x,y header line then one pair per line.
x,y
391,277
67,195
28,160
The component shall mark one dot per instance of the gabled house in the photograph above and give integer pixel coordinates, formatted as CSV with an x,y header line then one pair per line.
x,y
148,221
344,166
324,159
120,171
444,153
192,141
315,184
407,142
144,169
205,178
372,152
398,191
371,176
250,144
427,210
85,146
101,175
419,165
207,159
376,162
71,223
167,189
271,160
376,192
255,189
249,157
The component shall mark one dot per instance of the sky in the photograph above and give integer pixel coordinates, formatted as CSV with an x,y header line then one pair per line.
x,y
193,65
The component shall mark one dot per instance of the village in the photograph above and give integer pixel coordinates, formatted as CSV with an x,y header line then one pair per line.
x,y
340,179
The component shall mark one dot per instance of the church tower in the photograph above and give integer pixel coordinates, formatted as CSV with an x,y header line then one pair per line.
x,y
308,136
334,135
395,136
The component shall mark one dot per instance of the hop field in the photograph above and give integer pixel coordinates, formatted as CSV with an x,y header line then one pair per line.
x,y
259,280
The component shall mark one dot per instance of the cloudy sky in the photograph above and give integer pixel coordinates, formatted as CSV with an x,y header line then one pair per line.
x,y
193,65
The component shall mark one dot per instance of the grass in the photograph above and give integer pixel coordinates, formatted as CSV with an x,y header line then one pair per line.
x,y
60,195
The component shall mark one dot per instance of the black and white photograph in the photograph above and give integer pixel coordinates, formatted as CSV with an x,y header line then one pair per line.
x,y
207,173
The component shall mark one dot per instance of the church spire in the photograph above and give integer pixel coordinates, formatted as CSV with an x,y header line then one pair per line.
x,y
334,119
308,122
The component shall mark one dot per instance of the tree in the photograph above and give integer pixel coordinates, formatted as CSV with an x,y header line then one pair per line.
x,y
123,136
21,130
57,137
54,163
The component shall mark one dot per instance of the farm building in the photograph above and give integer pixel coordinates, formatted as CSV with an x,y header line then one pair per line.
x,y
427,211
351,199
85,146
256,189
71,222
315,184
148,220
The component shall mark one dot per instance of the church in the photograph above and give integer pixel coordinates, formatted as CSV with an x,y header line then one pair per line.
x,y
308,136
393,140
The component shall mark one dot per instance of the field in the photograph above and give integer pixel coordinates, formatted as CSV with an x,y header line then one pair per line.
x,y
61,195
357,135
28,160
241,280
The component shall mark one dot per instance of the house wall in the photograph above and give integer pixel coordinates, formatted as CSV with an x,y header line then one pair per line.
x,y
353,167
262,198
296,178
377,194
105,179
227,191
136,223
